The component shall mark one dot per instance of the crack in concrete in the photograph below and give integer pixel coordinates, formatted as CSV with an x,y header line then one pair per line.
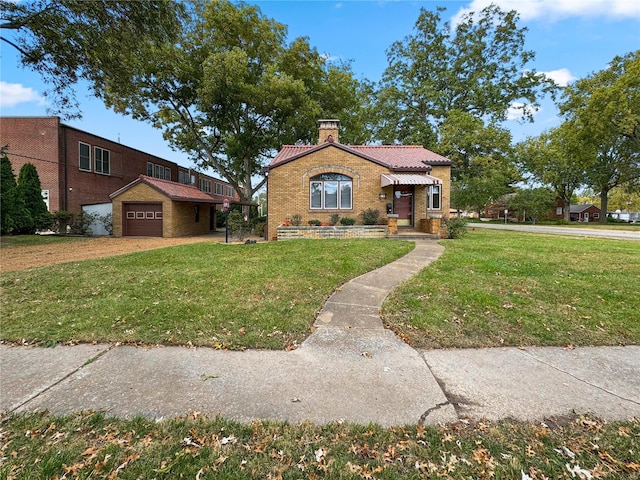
x,y
437,406
578,378
88,362
456,401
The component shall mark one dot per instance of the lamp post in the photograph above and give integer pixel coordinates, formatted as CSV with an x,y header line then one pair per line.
x,y
225,207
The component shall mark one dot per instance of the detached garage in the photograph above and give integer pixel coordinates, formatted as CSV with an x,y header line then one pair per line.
x,y
150,207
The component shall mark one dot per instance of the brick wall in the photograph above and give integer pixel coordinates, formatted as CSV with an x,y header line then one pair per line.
x,y
54,150
183,219
178,218
288,188
339,231
126,165
35,141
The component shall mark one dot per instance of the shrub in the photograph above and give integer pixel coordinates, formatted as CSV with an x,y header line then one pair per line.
x,y
370,216
62,221
334,219
81,223
454,227
296,220
314,222
107,222
238,226
347,221
258,228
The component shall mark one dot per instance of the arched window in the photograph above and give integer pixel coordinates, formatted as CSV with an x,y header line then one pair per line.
x,y
330,191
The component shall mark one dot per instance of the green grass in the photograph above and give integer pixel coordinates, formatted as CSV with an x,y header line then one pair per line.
x,y
634,227
494,288
227,296
9,241
39,446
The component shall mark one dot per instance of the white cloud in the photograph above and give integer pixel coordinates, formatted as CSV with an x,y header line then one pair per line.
x,y
561,76
557,9
516,110
11,94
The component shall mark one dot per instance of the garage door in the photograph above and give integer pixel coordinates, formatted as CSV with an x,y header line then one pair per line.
x,y
142,219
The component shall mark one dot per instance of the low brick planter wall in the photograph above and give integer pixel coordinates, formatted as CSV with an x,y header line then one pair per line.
x,y
339,231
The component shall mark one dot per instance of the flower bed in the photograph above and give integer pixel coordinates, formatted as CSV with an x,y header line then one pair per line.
x,y
337,231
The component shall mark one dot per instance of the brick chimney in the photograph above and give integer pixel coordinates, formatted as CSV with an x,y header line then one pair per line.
x,y
328,131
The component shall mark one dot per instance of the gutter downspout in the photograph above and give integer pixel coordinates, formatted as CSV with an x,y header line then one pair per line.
x,y
66,189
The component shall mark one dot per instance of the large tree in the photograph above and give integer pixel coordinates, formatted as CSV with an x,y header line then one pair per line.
x,y
232,91
604,111
482,156
479,66
556,158
68,40
532,203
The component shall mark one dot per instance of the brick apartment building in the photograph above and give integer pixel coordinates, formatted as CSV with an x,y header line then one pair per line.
x,y
77,168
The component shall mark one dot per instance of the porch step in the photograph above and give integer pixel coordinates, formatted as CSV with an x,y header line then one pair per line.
x,y
413,236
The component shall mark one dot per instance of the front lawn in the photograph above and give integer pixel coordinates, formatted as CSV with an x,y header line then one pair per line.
x,y
494,288
226,296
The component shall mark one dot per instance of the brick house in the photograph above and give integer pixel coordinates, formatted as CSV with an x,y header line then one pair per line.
x,y
584,213
159,208
318,181
77,168
577,213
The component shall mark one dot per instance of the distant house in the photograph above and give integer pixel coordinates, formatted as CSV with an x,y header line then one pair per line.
x,y
584,213
495,210
318,182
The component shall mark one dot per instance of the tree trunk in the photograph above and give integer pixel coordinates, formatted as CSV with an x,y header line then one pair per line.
x,y
567,209
604,201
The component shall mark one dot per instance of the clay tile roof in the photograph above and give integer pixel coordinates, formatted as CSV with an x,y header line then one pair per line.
x,y
175,191
394,157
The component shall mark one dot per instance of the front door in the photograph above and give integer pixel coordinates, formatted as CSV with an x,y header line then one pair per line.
x,y
403,204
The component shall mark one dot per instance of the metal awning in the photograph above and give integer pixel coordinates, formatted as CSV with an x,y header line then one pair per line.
x,y
408,179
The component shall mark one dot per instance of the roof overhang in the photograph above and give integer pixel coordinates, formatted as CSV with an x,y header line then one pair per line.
x,y
387,179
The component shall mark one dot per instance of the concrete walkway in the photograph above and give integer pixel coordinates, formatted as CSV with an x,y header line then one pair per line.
x,y
349,369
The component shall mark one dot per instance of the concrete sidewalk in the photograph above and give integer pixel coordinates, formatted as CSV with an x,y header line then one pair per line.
x,y
349,369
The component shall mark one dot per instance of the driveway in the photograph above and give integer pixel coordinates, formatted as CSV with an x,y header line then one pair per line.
x,y
21,258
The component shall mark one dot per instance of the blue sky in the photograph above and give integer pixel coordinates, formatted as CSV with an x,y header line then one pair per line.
x,y
571,38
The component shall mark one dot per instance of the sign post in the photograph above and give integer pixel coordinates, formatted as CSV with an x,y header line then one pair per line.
x,y
225,207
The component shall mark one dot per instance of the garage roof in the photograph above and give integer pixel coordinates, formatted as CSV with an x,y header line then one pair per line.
x,y
175,191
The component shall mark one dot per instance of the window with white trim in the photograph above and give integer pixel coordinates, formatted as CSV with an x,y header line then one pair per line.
x,y
204,185
434,197
229,191
84,160
101,160
330,191
219,189
167,173
149,169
